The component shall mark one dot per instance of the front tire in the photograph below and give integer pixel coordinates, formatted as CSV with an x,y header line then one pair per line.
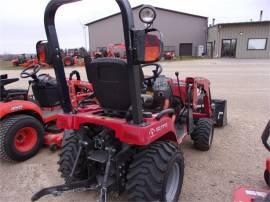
x,y
203,134
156,173
21,137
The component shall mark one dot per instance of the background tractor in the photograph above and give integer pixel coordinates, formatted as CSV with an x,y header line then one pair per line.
x,y
29,121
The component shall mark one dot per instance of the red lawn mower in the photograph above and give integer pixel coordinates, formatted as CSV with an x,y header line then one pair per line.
x,y
27,122
130,140
246,194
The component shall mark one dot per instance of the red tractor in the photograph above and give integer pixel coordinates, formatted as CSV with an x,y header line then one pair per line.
x,y
112,51
248,194
24,61
27,122
131,139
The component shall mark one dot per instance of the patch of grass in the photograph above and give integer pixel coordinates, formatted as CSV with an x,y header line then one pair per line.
x,y
6,65
185,58
188,57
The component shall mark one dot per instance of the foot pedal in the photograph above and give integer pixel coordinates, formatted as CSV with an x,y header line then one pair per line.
x,y
98,156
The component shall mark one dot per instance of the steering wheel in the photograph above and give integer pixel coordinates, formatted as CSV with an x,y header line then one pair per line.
x,y
156,73
30,71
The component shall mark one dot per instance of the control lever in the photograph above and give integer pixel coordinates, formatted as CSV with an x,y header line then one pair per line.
x,y
179,89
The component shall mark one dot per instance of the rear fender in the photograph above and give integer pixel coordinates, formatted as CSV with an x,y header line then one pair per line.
x,y
152,131
19,106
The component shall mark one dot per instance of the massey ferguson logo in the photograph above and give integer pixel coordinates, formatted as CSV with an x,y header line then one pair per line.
x,y
153,131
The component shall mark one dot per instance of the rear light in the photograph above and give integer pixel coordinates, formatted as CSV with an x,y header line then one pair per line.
x,y
148,47
152,48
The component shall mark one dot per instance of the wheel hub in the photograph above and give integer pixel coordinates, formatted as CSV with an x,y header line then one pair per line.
x,y
25,139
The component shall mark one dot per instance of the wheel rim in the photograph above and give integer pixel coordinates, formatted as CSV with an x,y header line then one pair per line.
x,y
25,139
172,182
68,62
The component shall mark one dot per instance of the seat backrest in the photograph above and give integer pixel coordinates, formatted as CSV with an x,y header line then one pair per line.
x,y
109,77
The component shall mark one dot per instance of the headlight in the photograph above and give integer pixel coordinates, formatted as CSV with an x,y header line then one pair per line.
x,y
147,14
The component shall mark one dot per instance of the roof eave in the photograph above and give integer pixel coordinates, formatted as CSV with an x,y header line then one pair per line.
x,y
163,9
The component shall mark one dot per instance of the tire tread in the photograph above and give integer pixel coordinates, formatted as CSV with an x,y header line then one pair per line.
x,y
146,172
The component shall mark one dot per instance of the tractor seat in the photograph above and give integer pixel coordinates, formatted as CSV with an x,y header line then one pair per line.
x,y
109,77
111,85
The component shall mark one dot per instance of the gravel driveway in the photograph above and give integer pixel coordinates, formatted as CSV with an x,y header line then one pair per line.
x,y
236,158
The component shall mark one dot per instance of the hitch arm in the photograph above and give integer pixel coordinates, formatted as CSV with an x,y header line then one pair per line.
x,y
79,186
103,190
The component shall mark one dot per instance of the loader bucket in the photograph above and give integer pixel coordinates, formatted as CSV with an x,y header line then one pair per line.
x,y
220,112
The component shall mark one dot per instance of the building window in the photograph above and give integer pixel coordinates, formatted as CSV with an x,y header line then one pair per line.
x,y
257,44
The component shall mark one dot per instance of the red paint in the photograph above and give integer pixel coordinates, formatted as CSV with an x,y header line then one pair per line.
x,y
16,106
244,194
77,90
268,164
124,131
196,82
53,139
25,139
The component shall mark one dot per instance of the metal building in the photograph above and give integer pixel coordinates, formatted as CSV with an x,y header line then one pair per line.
x,y
239,40
183,32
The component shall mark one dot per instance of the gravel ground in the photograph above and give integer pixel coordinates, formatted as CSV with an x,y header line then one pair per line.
x,y
236,158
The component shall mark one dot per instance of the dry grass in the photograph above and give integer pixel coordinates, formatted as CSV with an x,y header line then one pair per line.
x,y
6,65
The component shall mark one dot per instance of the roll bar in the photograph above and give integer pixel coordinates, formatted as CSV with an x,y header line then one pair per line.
x,y
49,22
134,76
133,70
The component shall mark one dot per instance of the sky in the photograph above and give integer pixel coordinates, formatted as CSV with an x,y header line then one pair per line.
x,y
21,21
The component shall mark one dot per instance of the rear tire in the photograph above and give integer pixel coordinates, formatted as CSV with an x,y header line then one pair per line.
x,y
68,153
203,134
155,171
21,137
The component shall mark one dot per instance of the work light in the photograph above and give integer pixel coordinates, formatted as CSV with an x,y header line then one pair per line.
x,y
147,14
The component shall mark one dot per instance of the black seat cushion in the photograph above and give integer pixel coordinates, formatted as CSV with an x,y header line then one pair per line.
x,y
109,77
